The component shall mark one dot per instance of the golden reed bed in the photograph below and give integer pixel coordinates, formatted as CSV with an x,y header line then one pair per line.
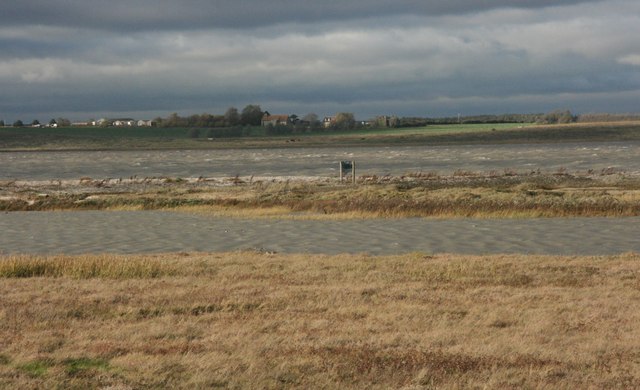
x,y
257,320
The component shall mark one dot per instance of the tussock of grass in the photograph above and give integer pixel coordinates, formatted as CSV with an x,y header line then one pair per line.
x,y
79,366
236,212
104,266
277,212
249,319
36,368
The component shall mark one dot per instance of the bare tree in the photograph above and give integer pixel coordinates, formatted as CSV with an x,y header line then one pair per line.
x,y
344,121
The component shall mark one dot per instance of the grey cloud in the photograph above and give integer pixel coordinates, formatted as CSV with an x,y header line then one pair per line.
x,y
154,58
157,15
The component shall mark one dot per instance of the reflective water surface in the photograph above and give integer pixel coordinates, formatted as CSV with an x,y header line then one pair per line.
x,y
157,231
128,232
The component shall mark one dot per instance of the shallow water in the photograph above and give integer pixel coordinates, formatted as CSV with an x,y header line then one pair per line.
x,y
157,231
319,161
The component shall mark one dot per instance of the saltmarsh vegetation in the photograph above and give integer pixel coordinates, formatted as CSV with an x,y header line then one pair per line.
x,y
506,194
249,319
103,266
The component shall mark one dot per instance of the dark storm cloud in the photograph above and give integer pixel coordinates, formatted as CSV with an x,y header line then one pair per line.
x,y
146,58
158,15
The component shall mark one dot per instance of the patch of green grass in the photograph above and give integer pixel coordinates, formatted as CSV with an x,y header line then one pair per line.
x,y
23,270
36,368
78,365
96,132
443,129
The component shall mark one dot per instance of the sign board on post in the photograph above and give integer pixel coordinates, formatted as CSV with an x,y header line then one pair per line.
x,y
347,167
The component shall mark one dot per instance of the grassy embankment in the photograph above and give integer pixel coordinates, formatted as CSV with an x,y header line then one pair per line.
x,y
465,194
241,320
179,138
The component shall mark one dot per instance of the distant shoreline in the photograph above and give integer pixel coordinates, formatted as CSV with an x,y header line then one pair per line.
x,y
25,140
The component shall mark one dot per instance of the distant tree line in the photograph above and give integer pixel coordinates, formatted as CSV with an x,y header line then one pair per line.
x,y
474,119
565,116
594,117
251,115
235,123
36,123
243,123
557,117
553,117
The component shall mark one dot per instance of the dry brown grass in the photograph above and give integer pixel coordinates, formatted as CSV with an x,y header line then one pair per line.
x,y
254,320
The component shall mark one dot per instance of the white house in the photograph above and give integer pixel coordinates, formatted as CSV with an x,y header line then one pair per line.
x,y
124,122
146,123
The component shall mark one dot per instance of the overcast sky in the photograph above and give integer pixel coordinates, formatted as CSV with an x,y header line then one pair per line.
x,y
86,59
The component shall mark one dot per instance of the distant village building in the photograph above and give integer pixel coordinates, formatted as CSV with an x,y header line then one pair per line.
x,y
275,120
124,122
146,123
101,122
328,121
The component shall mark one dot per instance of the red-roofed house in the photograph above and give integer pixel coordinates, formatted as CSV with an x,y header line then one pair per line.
x,y
275,120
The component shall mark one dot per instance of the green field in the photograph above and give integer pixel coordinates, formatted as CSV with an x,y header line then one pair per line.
x,y
116,138
432,129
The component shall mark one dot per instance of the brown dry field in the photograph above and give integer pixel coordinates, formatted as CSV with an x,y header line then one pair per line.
x,y
260,320
464,194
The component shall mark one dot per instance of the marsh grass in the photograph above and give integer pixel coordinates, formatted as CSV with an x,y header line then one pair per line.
x,y
256,320
465,194
104,266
